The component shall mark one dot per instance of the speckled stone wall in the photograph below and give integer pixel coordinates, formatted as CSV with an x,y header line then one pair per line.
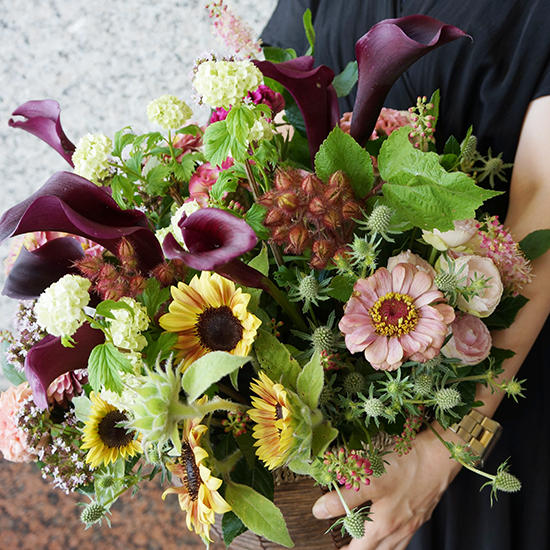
x,y
103,60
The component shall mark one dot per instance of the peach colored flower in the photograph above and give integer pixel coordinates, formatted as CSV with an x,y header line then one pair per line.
x,y
463,232
470,341
396,316
409,257
13,440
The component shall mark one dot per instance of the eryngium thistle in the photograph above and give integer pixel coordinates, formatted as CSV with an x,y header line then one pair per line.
x,y
157,408
447,398
373,407
423,385
93,513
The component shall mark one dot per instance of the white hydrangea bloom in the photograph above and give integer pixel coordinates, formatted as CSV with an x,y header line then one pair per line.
x,y
59,309
91,157
261,129
169,112
126,329
223,83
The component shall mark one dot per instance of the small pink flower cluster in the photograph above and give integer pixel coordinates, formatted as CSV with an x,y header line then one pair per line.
x,y
388,121
14,442
236,34
498,245
403,442
350,469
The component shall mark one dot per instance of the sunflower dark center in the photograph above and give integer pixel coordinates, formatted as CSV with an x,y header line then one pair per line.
x,y
278,412
192,478
218,329
110,434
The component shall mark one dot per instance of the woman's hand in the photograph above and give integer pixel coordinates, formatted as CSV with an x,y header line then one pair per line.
x,y
403,498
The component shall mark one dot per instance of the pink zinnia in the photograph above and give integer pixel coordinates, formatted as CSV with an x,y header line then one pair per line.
x,y
396,316
13,440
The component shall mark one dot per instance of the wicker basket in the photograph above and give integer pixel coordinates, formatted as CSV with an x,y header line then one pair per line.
x,y
295,500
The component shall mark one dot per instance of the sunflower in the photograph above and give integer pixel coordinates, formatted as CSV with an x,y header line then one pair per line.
x,y
104,438
198,495
272,414
210,314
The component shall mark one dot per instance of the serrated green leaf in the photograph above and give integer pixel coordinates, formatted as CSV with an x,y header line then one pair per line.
x,y
133,164
122,140
275,359
217,143
346,80
207,370
341,152
506,311
310,382
156,179
448,162
153,296
191,129
122,189
535,244
258,513
160,349
105,308
239,121
310,32
251,471
341,288
105,365
232,527
227,182
420,189
255,217
184,169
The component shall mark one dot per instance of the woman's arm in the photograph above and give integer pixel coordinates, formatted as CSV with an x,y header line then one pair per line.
x,y
404,498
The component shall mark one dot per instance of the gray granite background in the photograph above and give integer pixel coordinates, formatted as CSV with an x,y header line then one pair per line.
x,y
103,60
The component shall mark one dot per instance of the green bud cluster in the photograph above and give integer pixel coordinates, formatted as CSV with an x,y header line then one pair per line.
x,y
447,398
354,382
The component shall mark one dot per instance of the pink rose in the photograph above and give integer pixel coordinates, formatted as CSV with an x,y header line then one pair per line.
x,y
470,341
13,440
409,257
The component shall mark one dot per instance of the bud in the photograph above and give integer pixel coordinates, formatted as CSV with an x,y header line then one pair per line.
x,y
355,525
373,407
351,210
275,216
447,398
354,382
446,281
506,482
377,464
127,255
380,219
93,513
332,220
423,385
312,185
317,206
323,339
299,238
288,201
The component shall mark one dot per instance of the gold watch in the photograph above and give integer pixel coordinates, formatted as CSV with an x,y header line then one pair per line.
x,y
479,432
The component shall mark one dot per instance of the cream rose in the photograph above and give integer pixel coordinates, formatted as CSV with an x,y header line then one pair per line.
x,y
464,231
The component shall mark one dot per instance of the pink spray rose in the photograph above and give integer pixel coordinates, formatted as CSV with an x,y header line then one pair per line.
x,y
409,257
470,341
13,440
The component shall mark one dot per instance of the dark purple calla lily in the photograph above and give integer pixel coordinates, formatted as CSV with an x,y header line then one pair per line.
x,y
34,271
313,92
387,50
70,203
49,359
213,238
43,121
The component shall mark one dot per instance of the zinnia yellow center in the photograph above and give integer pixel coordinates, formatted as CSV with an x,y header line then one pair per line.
x,y
218,329
394,315
111,435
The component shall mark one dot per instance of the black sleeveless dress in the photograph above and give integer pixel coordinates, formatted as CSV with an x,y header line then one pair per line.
x,y
487,83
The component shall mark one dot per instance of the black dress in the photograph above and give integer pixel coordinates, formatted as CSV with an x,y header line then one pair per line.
x,y
487,83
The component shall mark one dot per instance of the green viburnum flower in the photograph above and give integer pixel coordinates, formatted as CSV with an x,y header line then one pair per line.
x,y
91,157
59,309
157,409
261,129
169,112
224,83
126,327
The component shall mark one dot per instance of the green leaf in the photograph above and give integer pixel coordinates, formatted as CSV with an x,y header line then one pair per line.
x,y
239,121
323,435
156,180
310,32
153,296
275,359
227,182
506,311
105,308
341,288
217,143
191,129
535,244
420,189
232,527
105,365
341,152
122,187
346,80
310,382
294,116
184,169
122,140
278,55
252,473
258,513
261,261
10,372
160,349
435,100
255,217
207,370
452,147
133,164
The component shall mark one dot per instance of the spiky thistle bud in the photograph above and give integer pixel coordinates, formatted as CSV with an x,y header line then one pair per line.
x,y
377,464
354,524
93,513
323,338
446,282
380,219
423,385
447,398
506,482
373,407
354,382
469,149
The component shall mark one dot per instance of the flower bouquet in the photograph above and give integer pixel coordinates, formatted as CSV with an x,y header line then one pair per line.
x,y
269,295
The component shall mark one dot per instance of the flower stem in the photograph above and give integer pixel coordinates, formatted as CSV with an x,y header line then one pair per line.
x,y
288,308
344,504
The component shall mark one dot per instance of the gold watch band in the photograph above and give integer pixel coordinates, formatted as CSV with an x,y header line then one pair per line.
x,y
479,432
